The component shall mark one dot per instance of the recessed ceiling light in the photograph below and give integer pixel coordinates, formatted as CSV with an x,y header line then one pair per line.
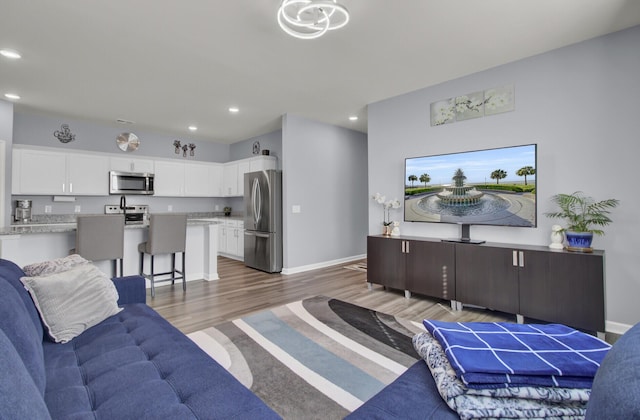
x,y
11,96
353,118
234,109
10,53
192,128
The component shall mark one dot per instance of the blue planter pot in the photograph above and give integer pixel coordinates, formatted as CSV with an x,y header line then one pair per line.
x,y
579,241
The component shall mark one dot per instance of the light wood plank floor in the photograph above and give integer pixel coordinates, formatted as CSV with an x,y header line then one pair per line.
x,y
241,291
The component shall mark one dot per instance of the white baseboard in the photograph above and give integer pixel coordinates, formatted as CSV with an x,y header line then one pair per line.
x,y
294,270
616,327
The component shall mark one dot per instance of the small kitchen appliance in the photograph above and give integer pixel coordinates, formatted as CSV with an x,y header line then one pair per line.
x,y
23,211
133,215
130,183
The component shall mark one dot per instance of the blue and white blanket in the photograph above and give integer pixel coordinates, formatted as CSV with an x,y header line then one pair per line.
x,y
492,355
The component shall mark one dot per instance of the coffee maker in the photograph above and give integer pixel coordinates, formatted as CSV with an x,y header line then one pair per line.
x,y
23,211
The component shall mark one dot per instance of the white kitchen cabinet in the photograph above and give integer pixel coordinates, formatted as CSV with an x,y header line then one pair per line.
x,y
243,167
233,184
230,179
203,179
45,172
124,164
263,163
87,174
231,240
169,178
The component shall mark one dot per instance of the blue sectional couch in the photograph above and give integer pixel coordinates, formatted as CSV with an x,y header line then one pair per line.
x,y
132,365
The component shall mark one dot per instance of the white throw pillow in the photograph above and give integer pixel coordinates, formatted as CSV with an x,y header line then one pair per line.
x,y
54,266
72,301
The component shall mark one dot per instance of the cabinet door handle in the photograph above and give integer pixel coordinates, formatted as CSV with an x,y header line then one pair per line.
x,y
521,258
402,247
407,247
515,258
70,187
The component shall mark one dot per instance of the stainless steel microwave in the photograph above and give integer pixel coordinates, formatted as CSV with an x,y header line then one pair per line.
x,y
130,183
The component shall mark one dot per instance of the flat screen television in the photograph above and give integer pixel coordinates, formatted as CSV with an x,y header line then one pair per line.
x,y
482,187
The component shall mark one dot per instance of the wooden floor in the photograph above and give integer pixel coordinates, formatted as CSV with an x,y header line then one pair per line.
x,y
241,291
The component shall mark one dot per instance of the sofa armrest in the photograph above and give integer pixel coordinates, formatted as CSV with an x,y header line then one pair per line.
x,y
132,289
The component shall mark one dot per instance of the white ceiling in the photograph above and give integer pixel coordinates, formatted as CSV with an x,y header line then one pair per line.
x,y
169,64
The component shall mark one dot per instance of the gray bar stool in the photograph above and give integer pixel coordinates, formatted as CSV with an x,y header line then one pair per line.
x,y
167,235
101,237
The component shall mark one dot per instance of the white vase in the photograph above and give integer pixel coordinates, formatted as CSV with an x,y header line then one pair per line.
x,y
557,237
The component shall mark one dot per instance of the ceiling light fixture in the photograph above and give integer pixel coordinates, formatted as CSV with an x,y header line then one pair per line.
x,y
10,53
353,118
234,109
309,19
193,128
11,96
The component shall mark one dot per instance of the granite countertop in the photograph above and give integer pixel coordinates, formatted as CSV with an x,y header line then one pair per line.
x,y
67,223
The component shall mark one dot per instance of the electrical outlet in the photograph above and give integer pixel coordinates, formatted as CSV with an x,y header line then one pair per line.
x,y
169,207
296,209
217,208
76,209
47,209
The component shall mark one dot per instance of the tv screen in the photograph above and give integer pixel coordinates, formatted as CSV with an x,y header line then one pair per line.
x,y
481,187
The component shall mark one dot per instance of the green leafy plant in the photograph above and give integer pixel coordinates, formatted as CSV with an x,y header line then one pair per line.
x,y
582,212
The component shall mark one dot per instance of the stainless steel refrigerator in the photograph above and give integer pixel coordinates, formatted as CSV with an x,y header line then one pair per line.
x,y
263,220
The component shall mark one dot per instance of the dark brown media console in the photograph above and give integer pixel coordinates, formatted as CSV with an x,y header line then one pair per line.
x,y
527,280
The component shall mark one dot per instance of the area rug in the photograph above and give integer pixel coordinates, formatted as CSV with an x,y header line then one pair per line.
x,y
315,358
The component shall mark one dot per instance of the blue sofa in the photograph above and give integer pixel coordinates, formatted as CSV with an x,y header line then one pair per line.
x,y
133,365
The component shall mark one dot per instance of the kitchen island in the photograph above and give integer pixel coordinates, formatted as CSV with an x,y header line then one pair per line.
x,y
29,243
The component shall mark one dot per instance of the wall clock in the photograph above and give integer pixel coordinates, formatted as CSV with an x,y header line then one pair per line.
x,y
128,142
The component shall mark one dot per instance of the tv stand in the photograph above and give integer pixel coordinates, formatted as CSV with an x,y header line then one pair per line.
x,y
530,281
465,237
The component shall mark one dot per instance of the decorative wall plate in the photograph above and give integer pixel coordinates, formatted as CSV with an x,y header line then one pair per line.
x,y
256,147
128,142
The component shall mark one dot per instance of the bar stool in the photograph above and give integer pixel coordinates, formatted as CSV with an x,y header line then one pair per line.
x,y
101,237
167,235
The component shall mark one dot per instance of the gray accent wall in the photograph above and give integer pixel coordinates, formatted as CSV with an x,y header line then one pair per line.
x,y
270,141
580,105
325,174
37,129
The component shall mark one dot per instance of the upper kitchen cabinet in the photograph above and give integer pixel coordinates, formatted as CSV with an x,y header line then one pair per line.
x,y
123,164
169,178
233,177
203,179
48,172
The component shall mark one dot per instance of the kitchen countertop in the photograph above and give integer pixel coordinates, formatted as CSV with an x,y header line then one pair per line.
x,y
64,223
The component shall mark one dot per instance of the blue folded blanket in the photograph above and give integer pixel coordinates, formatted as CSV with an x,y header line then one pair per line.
x,y
492,355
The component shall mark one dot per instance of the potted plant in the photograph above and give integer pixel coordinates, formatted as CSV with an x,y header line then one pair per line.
x,y
386,208
227,211
584,216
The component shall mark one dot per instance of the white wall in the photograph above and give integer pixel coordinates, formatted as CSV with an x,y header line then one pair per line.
x,y
580,105
325,173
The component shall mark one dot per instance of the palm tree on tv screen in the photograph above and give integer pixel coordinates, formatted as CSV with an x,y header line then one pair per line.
x,y
524,171
498,174
425,178
412,178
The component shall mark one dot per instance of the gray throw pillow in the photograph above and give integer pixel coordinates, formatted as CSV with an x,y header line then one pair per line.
x,y
72,301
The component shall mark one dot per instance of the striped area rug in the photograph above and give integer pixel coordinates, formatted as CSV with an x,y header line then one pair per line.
x,y
316,358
